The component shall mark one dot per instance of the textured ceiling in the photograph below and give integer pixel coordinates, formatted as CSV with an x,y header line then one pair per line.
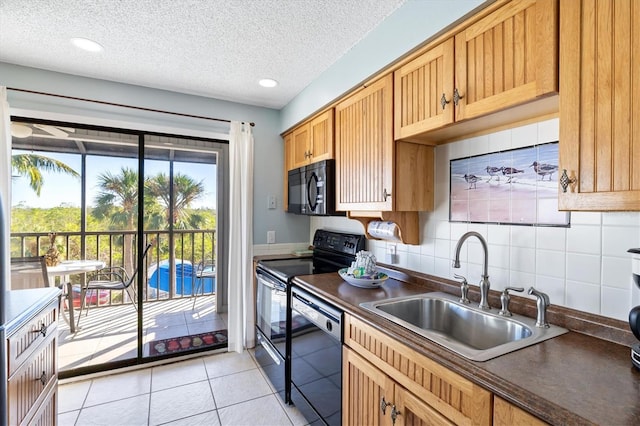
x,y
214,48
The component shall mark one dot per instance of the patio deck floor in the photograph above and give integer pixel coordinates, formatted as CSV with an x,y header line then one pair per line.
x,y
109,333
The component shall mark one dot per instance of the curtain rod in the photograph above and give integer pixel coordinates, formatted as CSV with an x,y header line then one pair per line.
x,y
124,105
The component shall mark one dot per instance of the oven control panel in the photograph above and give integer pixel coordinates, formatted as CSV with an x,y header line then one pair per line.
x,y
338,241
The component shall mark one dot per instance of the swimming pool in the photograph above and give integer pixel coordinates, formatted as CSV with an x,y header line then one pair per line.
x,y
186,280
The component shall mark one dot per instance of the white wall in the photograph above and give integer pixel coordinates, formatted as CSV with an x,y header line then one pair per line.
x,y
584,267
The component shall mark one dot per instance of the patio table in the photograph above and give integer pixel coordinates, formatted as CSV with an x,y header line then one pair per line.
x,y
63,270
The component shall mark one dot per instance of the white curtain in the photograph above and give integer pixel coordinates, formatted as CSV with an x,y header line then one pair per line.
x,y
5,178
241,327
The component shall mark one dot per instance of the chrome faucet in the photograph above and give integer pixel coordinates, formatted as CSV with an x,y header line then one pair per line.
x,y
542,302
484,283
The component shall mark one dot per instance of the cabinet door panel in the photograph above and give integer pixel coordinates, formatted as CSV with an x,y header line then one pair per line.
x,y
364,149
363,387
419,87
507,58
288,165
415,412
600,51
321,129
300,140
506,414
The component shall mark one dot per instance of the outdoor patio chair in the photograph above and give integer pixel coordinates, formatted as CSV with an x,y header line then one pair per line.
x,y
111,278
203,270
28,272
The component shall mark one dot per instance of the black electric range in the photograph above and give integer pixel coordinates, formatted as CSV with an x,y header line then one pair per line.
x,y
331,251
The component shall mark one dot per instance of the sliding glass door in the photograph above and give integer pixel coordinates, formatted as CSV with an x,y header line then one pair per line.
x,y
182,220
106,194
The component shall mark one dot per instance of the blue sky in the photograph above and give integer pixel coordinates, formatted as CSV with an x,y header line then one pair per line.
x,y
61,189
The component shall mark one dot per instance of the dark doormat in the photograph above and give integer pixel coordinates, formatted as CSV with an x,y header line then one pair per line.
x,y
186,343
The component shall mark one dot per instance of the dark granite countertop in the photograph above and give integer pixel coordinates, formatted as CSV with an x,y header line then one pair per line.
x,y
582,377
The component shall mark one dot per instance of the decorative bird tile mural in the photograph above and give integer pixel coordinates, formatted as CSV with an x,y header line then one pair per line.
x,y
518,186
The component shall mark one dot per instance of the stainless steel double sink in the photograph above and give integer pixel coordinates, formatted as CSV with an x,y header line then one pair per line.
x,y
476,334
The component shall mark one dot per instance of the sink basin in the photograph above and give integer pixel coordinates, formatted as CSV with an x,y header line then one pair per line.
x,y
465,329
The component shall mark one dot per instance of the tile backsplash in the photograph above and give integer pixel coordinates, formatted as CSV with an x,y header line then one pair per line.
x,y
585,266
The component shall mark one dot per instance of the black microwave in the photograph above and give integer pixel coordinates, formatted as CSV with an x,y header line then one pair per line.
x,y
312,189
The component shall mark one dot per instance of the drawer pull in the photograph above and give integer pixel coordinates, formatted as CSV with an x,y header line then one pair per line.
x,y
43,378
394,414
444,101
43,330
383,406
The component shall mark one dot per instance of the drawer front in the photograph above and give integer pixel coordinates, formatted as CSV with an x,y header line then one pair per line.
x,y
27,339
28,388
453,396
47,414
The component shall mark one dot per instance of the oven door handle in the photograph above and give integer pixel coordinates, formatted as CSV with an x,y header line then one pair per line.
x,y
267,348
324,312
269,282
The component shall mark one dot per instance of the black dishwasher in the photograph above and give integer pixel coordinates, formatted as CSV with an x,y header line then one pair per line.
x,y
316,358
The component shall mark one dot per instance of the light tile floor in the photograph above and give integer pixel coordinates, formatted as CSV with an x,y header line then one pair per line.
x,y
222,389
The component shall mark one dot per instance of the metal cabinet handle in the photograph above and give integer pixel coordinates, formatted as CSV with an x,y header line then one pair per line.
x,y
444,101
565,181
42,330
456,96
43,378
386,194
394,414
383,405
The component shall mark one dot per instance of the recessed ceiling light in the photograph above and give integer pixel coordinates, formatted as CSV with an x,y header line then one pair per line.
x,y
268,82
86,44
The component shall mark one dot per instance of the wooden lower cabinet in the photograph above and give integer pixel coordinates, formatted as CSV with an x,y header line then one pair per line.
x,y
370,397
375,366
506,414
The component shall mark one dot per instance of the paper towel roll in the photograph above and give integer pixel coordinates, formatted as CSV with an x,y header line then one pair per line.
x,y
384,230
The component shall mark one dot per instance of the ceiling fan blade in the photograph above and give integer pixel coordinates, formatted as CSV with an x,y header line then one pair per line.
x,y
52,130
19,130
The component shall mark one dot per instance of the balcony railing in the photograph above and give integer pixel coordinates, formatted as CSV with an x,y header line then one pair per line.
x,y
169,269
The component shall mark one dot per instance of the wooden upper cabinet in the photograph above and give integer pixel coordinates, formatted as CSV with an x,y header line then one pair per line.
x,y
313,140
364,148
507,58
288,165
322,137
600,104
420,87
301,142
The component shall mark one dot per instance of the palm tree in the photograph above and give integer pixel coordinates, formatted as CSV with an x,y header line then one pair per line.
x,y
185,192
117,200
32,165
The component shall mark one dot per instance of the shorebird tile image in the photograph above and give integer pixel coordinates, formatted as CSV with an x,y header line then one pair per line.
x,y
518,186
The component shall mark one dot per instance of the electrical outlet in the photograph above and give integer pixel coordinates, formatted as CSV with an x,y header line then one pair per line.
x,y
271,237
271,202
390,256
